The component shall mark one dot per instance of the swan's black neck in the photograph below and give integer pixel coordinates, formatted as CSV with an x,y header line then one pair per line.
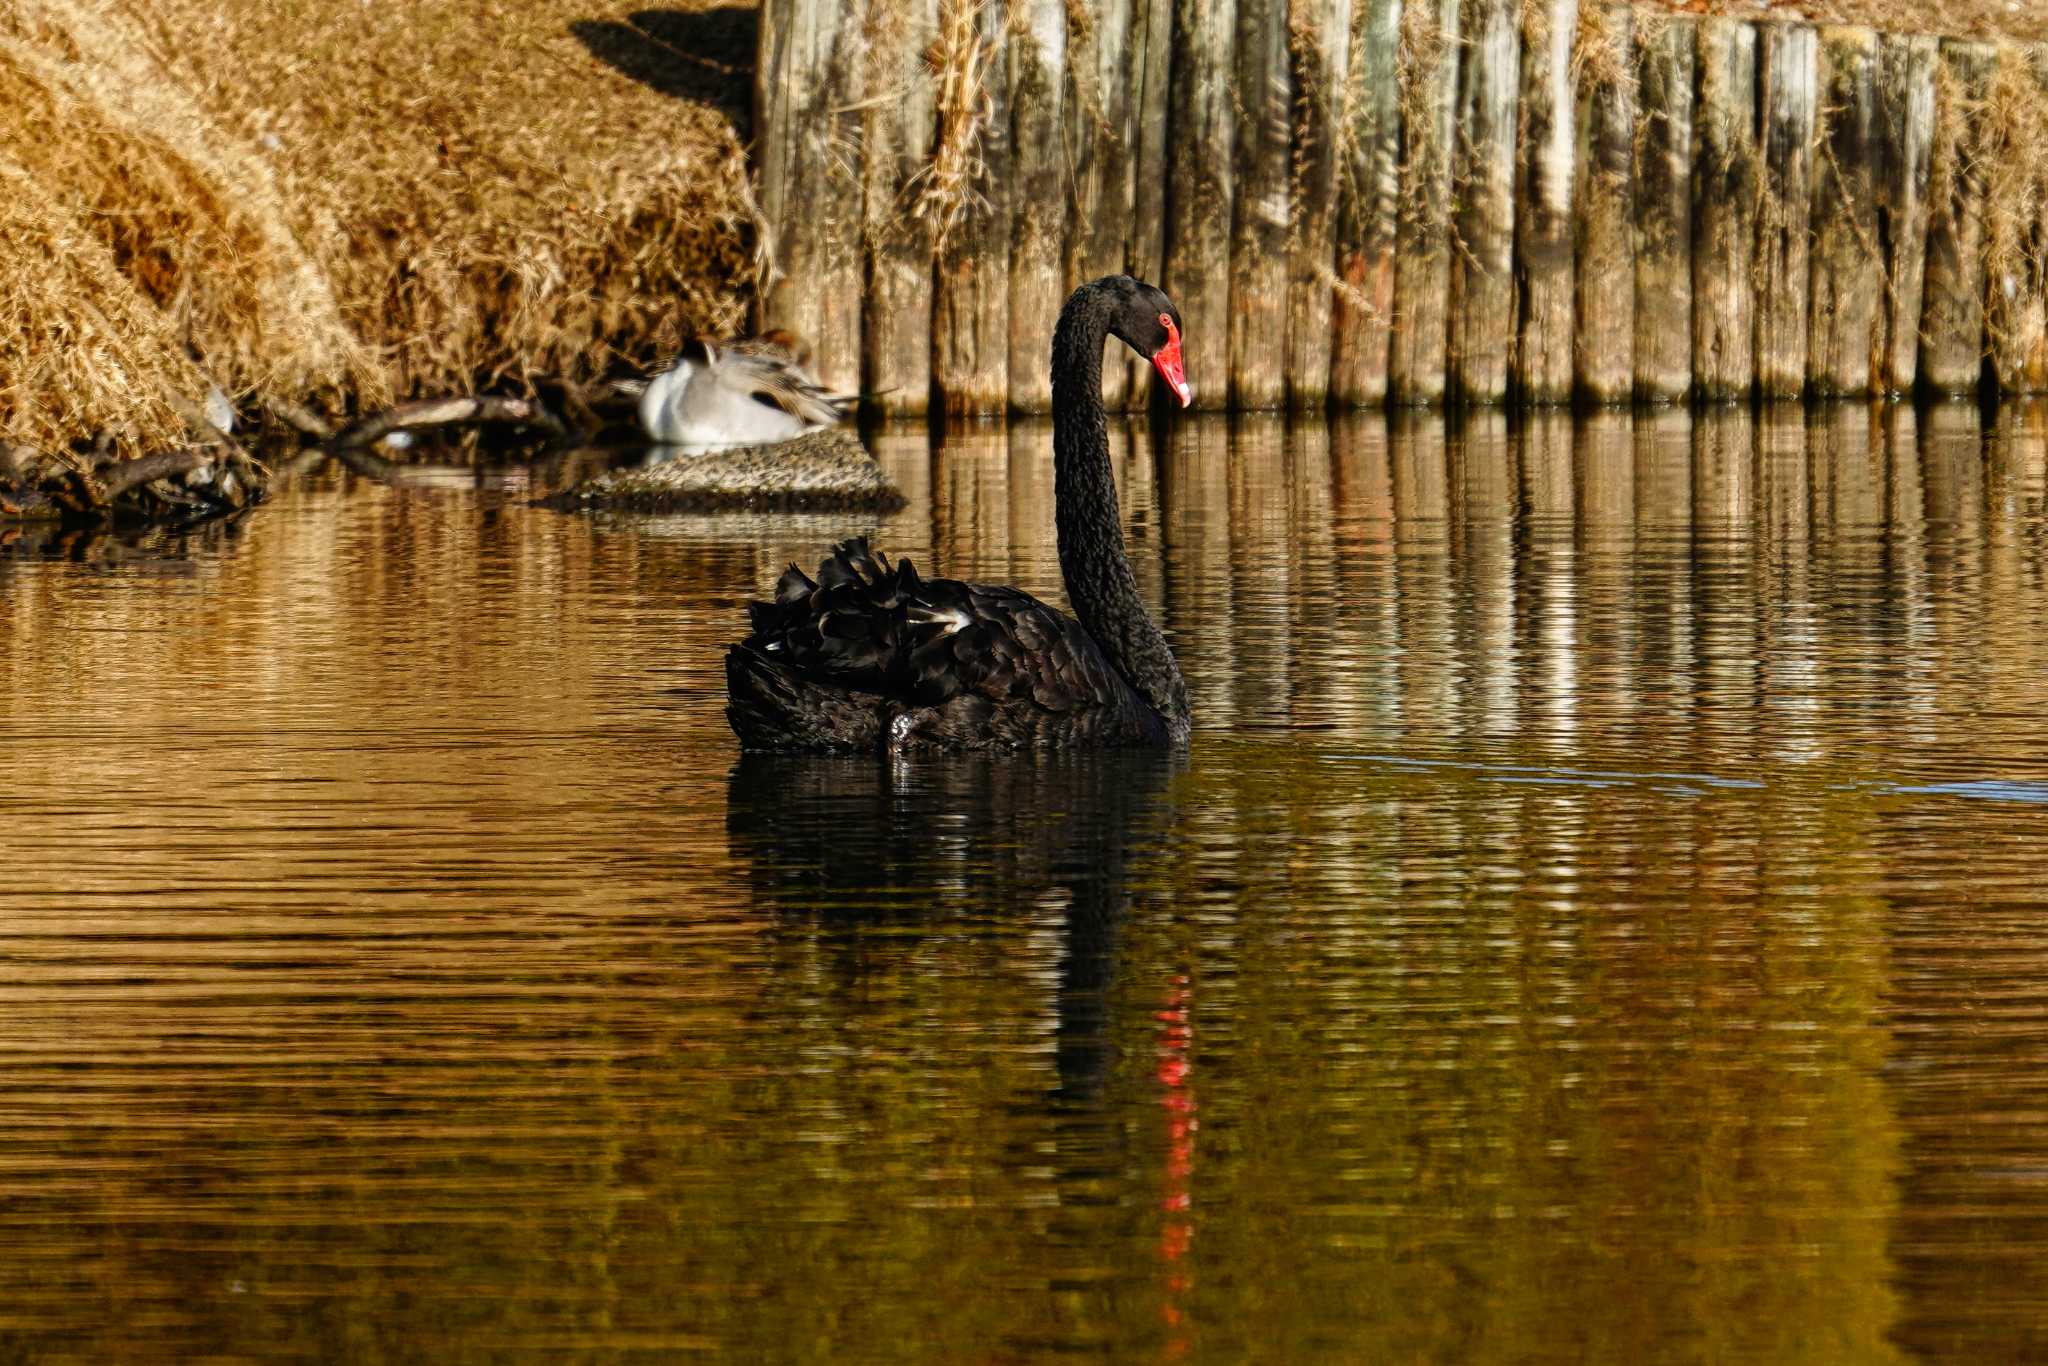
x,y
1100,586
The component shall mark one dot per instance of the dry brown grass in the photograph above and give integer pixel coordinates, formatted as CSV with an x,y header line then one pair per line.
x,y
355,202
2023,19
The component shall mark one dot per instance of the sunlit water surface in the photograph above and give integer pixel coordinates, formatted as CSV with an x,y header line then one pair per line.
x,y
1603,915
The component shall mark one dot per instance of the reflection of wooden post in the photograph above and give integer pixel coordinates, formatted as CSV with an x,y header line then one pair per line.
x,y
1482,321
1725,202
1544,170
1422,264
1199,193
896,331
1663,218
1604,346
1846,267
2016,196
1368,202
1038,224
1319,39
971,319
1905,104
807,91
1096,113
1258,244
1952,320
1723,466
1787,71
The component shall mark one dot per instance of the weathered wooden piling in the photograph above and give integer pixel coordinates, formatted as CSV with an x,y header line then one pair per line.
x,y
1952,318
2016,219
1319,47
1258,240
1545,165
1200,185
1150,66
1101,143
1663,209
970,320
1039,189
1603,356
1368,205
1843,308
1482,317
1905,145
1727,176
807,93
896,139
1788,57
1428,65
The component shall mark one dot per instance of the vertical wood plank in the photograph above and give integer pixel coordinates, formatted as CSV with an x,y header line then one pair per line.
x,y
1368,205
806,91
1428,85
1039,215
1545,168
1319,43
1258,240
896,324
1663,213
1482,324
1725,187
1905,103
2016,220
1149,61
1101,142
1952,318
970,321
1199,186
1843,305
1603,344
1788,72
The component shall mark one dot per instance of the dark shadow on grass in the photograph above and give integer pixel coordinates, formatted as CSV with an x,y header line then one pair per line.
x,y
705,55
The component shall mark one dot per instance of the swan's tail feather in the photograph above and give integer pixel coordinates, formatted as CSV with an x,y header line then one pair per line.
x,y
771,708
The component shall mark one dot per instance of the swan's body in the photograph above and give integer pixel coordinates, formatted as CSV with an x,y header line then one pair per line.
x,y
871,656
718,395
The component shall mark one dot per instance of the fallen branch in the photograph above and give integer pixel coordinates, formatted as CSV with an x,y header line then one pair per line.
x,y
448,412
111,481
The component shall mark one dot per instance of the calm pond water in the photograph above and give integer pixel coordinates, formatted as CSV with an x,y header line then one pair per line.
x,y
1603,915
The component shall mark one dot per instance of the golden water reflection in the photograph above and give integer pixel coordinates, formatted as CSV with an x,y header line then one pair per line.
x,y
1600,917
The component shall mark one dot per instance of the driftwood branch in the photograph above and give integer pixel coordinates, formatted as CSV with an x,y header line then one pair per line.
x,y
299,418
448,412
111,481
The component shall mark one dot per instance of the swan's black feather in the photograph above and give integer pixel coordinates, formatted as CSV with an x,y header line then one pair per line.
x,y
868,652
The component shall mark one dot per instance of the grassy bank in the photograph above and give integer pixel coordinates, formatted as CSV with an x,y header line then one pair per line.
x,y
351,203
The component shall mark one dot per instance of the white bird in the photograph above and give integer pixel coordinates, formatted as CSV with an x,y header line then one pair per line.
x,y
736,394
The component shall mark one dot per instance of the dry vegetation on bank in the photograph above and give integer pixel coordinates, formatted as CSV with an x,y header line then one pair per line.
x,y
2022,19
354,202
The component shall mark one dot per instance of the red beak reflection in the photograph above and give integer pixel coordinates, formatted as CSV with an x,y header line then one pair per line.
x,y
1166,360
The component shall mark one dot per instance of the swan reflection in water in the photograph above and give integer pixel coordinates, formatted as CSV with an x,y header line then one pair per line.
x,y
967,839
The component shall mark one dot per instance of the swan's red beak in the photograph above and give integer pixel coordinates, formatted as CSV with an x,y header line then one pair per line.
x,y
1166,360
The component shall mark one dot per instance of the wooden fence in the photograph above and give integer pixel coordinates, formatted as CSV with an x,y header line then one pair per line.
x,y
1364,201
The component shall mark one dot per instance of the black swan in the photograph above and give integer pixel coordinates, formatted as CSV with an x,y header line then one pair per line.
x,y
869,656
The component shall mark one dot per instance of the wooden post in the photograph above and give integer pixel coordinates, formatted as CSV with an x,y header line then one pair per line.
x,y
1725,207
1422,265
806,93
1788,68
1258,241
1482,322
1039,204
1199,186
1101,139
971,319
1368,204
1544,170
2016,217
1952,319
896,325
1603,347
1846,266
1905,107
1319,41
1663,216
1149,62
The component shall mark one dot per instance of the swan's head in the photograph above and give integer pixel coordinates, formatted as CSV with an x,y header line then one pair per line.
x,y
1150,325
